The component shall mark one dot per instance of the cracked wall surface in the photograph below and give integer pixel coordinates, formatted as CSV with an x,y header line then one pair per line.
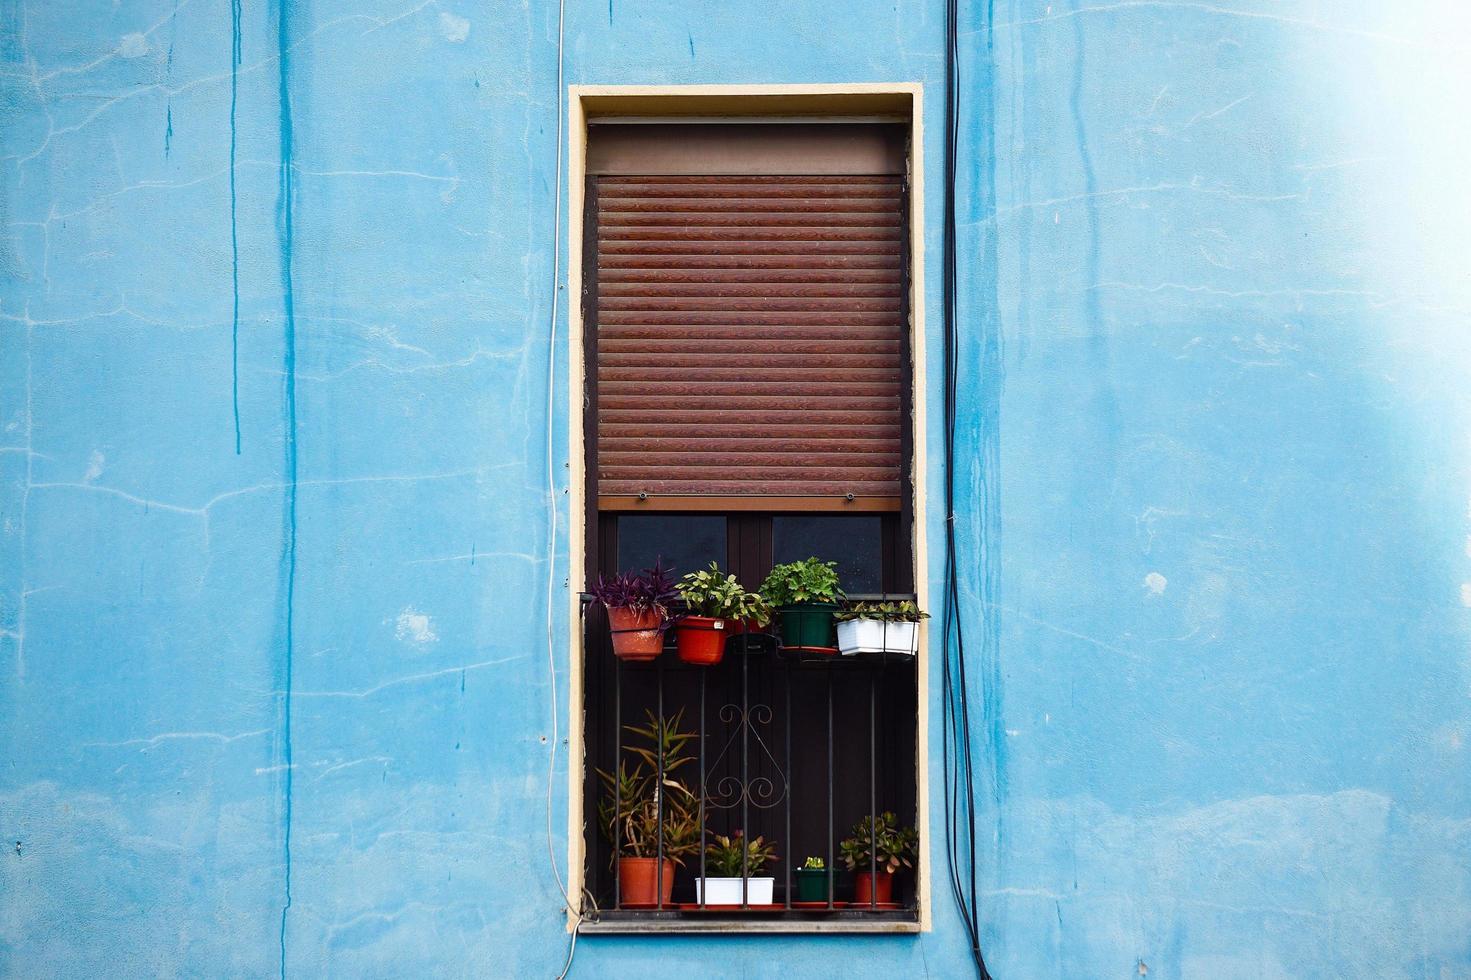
x,y
1215,481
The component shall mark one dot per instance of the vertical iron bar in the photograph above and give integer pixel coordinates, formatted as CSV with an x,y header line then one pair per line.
x,y
704,895
659,789
617,778
787,722
831,868
745,774
873,817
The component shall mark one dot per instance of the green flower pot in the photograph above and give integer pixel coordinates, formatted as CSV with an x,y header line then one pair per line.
x,y
808,624
812,885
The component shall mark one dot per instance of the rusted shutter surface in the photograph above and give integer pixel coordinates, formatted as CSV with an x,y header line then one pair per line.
x,y
750,335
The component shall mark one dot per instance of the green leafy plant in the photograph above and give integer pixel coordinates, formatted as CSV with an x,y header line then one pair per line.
x,y
636,802
749,607
810,580
814,864
723,856
711,592
892,612
893,847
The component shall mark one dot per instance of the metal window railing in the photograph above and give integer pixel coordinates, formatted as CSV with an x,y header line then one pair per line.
x,y
738,723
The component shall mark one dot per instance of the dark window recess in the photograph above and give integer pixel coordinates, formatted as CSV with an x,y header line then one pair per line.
x,y
684,542
854,542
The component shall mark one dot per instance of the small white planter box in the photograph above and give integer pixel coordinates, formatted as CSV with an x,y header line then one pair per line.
x,y
878,636
727,891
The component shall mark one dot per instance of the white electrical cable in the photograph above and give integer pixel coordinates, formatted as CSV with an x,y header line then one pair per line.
x,y
552,504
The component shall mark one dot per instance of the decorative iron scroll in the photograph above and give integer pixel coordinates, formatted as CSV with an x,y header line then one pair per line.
x,y
762,792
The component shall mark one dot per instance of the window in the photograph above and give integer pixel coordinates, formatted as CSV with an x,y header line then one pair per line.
x,y
747,400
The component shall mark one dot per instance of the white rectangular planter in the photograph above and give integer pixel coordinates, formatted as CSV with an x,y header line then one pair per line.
x,y
727,891
878,636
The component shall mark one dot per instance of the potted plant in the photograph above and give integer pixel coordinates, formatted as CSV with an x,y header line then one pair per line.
x,y
726,860
813,879
638,610
748,613
645,818
878,848
805,595
716,602
880,627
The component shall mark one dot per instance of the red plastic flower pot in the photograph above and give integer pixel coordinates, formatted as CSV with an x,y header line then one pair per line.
x,y
636,635
865,884
638,881
701,640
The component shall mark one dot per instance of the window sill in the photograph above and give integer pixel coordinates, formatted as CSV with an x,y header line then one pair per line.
x,y
828,923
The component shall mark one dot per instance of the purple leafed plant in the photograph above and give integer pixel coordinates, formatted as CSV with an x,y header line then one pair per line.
x,y
652,591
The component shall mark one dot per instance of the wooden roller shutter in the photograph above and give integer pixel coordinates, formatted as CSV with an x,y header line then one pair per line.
x,y
750,337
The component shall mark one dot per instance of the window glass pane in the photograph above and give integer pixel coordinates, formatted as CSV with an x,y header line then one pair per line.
x,y
854,542
685,542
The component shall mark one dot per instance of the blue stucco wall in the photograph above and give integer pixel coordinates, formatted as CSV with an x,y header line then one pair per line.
x,y
1216,489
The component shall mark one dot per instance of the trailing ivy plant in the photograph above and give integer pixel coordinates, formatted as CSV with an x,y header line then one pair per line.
x,y
891,612
893,847
635,800
711,592
810,580
723,856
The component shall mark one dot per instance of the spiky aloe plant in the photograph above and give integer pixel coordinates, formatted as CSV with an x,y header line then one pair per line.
x,y
636,803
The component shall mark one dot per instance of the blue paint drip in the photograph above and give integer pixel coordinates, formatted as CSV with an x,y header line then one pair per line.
x,y
692,45
1106,408
289,364
168,130
472,552
234,231
610,13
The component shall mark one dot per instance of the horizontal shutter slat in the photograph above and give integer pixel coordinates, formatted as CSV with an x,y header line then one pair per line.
x,y
803,418
682,430
749,335
758,486
753,200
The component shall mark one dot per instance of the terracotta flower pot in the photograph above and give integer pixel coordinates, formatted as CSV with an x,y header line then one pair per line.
x,y
865,884
638,881
636,635
701,640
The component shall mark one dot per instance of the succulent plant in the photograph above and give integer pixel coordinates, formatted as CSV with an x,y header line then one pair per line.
x,y
723,856
892,847
891,612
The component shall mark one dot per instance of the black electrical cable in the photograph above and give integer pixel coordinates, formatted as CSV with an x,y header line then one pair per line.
x,y
958,762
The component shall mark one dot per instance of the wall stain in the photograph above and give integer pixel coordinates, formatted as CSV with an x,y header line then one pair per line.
x,y
285,231
1105,402
234,229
